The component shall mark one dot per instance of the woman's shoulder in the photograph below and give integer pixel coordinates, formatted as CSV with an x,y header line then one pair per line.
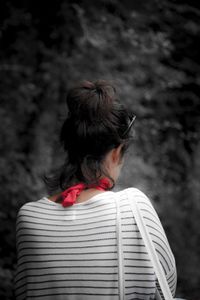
x,y
28,207
134,194
143,201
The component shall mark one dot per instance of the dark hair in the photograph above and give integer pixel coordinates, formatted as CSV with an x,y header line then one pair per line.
x,y
95,124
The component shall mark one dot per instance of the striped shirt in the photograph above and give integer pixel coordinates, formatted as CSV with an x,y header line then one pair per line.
x,y
71,253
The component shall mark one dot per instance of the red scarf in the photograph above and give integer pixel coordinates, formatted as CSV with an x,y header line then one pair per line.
x,y
69,195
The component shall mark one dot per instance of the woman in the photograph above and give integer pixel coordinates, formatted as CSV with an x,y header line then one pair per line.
x,y
67,243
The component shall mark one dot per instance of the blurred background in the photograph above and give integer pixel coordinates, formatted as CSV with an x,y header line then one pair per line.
x,y
150,51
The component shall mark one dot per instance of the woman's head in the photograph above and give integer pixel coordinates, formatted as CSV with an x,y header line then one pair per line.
x,y
95,126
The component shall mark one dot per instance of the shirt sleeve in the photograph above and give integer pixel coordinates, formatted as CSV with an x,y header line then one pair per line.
x,y
158,237
20,278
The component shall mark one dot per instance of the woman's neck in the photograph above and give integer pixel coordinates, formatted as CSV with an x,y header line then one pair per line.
x,y
84,195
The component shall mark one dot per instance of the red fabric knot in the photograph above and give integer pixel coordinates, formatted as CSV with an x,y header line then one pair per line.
x,y
69,195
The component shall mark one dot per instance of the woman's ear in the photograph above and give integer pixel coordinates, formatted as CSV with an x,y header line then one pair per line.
x,y
116,154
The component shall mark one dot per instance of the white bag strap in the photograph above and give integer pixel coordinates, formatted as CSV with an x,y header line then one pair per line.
x,y
120,252
151,250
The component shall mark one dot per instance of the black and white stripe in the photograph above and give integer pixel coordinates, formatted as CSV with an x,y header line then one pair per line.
x,y
71,253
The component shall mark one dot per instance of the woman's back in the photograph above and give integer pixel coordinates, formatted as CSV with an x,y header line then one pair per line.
x,y
72,253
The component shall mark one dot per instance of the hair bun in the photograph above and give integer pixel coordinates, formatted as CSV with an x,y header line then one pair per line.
x,y
91,100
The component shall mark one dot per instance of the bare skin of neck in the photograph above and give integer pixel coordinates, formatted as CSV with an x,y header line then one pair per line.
x,y
84,195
